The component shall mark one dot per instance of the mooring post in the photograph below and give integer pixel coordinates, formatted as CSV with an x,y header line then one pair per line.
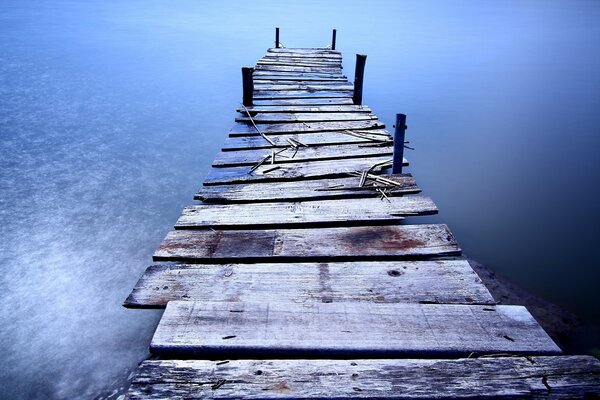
x,y
248,85
333,40
359,73
399,135
276,37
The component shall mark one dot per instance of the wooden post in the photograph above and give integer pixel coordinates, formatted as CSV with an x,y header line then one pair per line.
x,y
276,37
359,73
248,85
333,40
399,135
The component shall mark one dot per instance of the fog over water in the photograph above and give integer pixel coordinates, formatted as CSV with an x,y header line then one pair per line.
x,y
111,113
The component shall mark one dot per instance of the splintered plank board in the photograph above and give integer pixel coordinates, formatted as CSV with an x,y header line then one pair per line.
x,y
288,68
299,94
269,118
305,51
288,214
299,63
297,78
291,171
260,88
303,75
349,330
246,129
273,245
290,155
447,282
557,377
331,138
261,83
316,189
305,109
304,102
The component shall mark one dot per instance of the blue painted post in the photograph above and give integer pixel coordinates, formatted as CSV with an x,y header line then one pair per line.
x,y
399,135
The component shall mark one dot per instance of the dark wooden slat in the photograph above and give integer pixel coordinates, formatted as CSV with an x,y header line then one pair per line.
x,y
304,102
333,138
448,282
346,330
343,212
274,245
306,109
272,118
299,94
245,129
291,171
308,190
556,377
301,154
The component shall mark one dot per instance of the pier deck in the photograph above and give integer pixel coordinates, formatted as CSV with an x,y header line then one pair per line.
x,y
296,277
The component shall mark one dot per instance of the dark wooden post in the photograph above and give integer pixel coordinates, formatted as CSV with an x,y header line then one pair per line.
x,y
333,40
359,73
276,37
248,85
399,135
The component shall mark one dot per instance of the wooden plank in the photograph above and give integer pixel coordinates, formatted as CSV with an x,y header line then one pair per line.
x,y
284,56
304,102
245,129
259,88
343,212
275,245
297,63
292,171
291,155
338,75
346,330
298,78
306,109
333,138
299,52
447,282
289,68
556,377
308,190
272,118
259,82
299,94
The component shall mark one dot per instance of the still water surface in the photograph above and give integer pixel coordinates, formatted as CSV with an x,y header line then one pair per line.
x,y
111,112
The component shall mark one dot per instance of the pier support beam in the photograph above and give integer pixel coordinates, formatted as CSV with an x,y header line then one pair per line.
x,y
333,39
276,37
248,85
359,73
399,135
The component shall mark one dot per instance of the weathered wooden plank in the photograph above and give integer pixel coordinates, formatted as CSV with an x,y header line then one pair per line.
x,y
305,51
297,63
258,83
300,154
245,129
348,330
298,78
307,190
338,75
288,56
446,282
343,212
272,118
274,245
288,68
306,109
333,138
304,102
299,94
292,171
545,377
337,87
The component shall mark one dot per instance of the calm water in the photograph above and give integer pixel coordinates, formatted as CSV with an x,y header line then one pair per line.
x,y
111,112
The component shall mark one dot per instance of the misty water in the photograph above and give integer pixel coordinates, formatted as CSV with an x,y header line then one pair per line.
x,y
111,113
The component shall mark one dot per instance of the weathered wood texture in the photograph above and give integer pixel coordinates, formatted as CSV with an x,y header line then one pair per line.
x,y
270,118
288,68
341,212
357,330
273,245
317,189
294,155
291,171
558,377
304,102
298,78
299,94
308,86
244,129
295,62
447,282
306,109
332,138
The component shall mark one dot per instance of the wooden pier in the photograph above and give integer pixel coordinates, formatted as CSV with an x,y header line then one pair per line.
x,y
296,277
